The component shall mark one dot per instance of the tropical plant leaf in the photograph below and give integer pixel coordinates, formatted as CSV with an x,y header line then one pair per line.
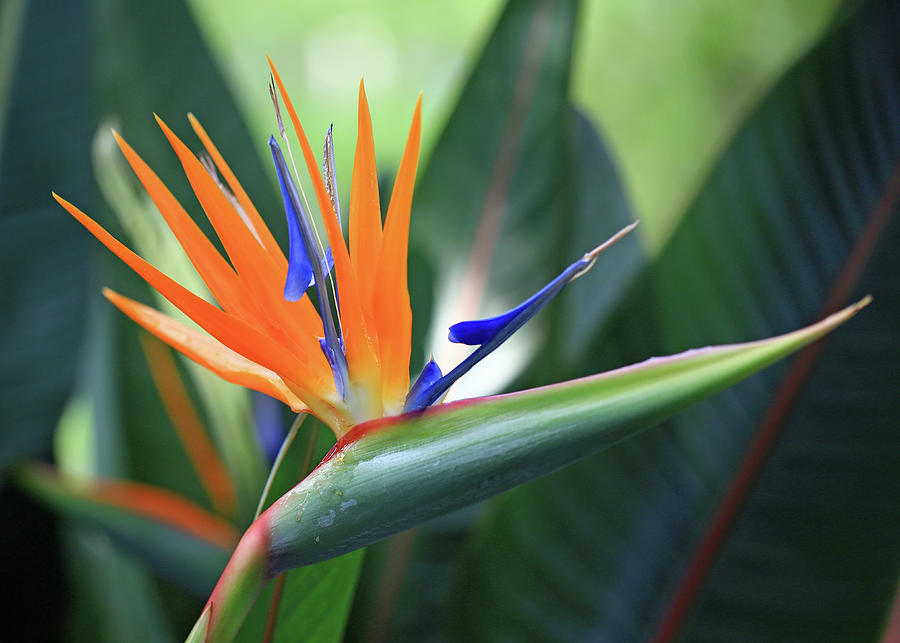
x,y
311,603
504,203
187,543
128,37
486,204
764,513
45,144
116,598
390,474
314,603
597,208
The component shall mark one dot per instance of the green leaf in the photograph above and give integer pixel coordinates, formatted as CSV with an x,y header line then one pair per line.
x,y
186,543
45,143
792,514
598,207
116,598
484,207
451,456
129,36
391,474
514,155
312,603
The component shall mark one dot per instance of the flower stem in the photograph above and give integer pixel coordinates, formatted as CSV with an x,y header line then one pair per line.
x,y
242,581
285,445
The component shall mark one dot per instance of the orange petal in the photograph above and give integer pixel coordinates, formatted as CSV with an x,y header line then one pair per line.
x,y
188,425
165,507
361,358
218,275
365,208
391,301
207,352
264,281
258,225
312,376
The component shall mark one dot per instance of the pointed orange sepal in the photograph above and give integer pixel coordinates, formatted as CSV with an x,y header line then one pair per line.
x,y
263,279
365,207
393,316
255,221
311,379
218,275
361,358
206,351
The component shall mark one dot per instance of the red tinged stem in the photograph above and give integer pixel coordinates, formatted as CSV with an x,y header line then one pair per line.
x,y
244,578
372,426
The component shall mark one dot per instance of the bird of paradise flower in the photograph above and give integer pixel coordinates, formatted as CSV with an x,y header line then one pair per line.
x,y
348,362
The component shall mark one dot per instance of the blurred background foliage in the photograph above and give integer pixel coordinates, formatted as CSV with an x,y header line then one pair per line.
x,y
667,83
754,165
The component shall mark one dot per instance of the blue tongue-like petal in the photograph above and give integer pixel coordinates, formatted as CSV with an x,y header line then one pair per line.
x,y
489,333
482,331
421,387
332,361
301,264
300,275
327,264
300,270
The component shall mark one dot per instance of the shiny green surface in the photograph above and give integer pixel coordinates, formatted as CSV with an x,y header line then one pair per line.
x,y
418,467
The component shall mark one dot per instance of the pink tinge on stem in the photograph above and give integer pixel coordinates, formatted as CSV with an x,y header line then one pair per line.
x,y
245,576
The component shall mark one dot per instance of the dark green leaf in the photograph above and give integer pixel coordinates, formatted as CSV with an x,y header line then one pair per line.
x,y
807,551
187,544
314,602
46,133
513,153
393,473
598,207
484,208
116,598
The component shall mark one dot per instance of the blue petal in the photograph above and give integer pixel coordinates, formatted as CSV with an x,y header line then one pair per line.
x,y
333,362
327,264
268,423
300,270
419,391
297,215
482,331
489,333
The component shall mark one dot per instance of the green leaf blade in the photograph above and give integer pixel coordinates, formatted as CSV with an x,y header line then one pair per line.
x,y
400,472
183,542
766,245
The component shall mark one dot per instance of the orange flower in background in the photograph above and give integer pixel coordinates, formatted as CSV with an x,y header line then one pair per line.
x,y
346,362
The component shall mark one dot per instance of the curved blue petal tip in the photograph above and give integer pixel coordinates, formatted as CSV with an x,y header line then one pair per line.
x,y
300,270
488,334
419,392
